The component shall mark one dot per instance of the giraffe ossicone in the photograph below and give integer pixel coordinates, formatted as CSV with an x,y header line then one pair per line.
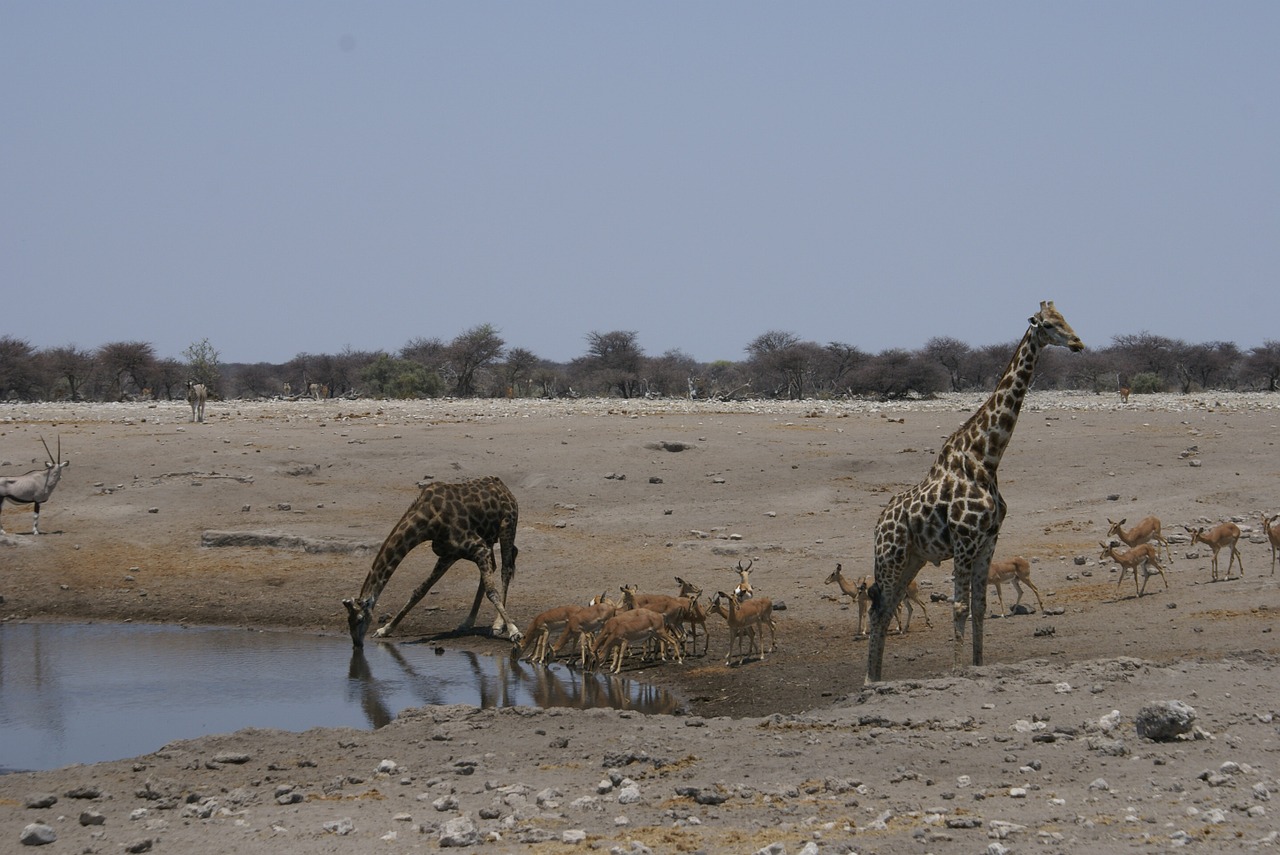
x,y
463,520
956,511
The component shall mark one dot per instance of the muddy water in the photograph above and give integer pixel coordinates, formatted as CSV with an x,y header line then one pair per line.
x,y
73,693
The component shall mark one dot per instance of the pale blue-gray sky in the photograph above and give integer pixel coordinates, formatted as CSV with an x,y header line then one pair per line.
x,y
285,177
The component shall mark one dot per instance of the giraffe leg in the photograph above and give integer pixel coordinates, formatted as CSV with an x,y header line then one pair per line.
x,y
959,612
885,595
981,570
489,582
509,553
418,593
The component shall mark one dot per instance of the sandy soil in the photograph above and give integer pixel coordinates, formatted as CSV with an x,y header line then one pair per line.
x,y
1022,753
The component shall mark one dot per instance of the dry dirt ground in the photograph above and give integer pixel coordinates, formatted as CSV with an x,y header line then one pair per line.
x,y
788,751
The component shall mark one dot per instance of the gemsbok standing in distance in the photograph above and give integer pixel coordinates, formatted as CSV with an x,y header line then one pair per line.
x,y
36,486
196,395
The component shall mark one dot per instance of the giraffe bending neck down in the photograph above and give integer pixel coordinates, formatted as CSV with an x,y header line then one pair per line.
x,y
462,520
956,511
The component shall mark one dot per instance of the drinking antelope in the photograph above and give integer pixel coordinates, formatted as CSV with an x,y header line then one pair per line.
x,y
536,637
633,626
34,487
1217,537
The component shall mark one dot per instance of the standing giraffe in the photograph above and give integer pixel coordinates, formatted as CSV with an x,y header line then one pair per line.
x,y
956,511
462,520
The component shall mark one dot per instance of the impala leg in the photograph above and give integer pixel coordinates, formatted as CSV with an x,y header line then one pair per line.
x,y
1036,591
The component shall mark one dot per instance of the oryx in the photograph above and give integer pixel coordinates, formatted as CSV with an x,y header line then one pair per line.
x,y
34,487
196,394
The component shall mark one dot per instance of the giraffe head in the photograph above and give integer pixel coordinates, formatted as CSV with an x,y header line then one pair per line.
x,y
359,617
1052,328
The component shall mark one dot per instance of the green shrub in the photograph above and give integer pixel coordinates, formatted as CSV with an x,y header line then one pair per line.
x,y
1146,383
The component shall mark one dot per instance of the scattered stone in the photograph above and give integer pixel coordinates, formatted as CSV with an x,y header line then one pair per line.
x,y
83,793
37,834
41,801
92,817
340,827
137,846
1109,747
629,795
1165,721
459,831
235,758
963,822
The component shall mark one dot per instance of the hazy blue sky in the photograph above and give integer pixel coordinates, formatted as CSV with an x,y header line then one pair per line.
x,y
286,177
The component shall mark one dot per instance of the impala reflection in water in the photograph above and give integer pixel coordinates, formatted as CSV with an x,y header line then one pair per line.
x,y
498,681
74,693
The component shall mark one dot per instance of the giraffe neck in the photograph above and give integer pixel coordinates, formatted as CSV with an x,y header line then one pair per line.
x,y
392,552
986,434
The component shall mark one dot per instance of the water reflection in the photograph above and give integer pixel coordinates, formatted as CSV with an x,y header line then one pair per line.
x,y
73,693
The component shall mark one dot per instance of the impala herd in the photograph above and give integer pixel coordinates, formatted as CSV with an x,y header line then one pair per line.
x,y
661,627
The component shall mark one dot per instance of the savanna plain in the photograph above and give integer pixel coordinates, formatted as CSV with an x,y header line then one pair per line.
x,y
1036,750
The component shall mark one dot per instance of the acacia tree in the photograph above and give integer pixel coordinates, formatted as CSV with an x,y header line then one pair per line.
x,y
204,366
19,377
951,354
518,371
840,362
615,358
771,356
670,374
1264,362
475,349
1211,365
127,365
896,373
73,366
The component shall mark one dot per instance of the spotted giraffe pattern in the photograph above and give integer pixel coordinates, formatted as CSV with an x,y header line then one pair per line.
x,y
463,521
956,511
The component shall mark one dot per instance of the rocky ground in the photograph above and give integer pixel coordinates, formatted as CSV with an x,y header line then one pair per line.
x,y
1038,749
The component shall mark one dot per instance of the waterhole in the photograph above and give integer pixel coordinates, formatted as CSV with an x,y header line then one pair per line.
x,y
76,693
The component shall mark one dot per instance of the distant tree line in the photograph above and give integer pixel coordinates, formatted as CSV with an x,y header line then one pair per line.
x,y
478,363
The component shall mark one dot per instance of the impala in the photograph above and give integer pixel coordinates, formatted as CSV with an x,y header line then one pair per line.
x,y
1143,556
1217,537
